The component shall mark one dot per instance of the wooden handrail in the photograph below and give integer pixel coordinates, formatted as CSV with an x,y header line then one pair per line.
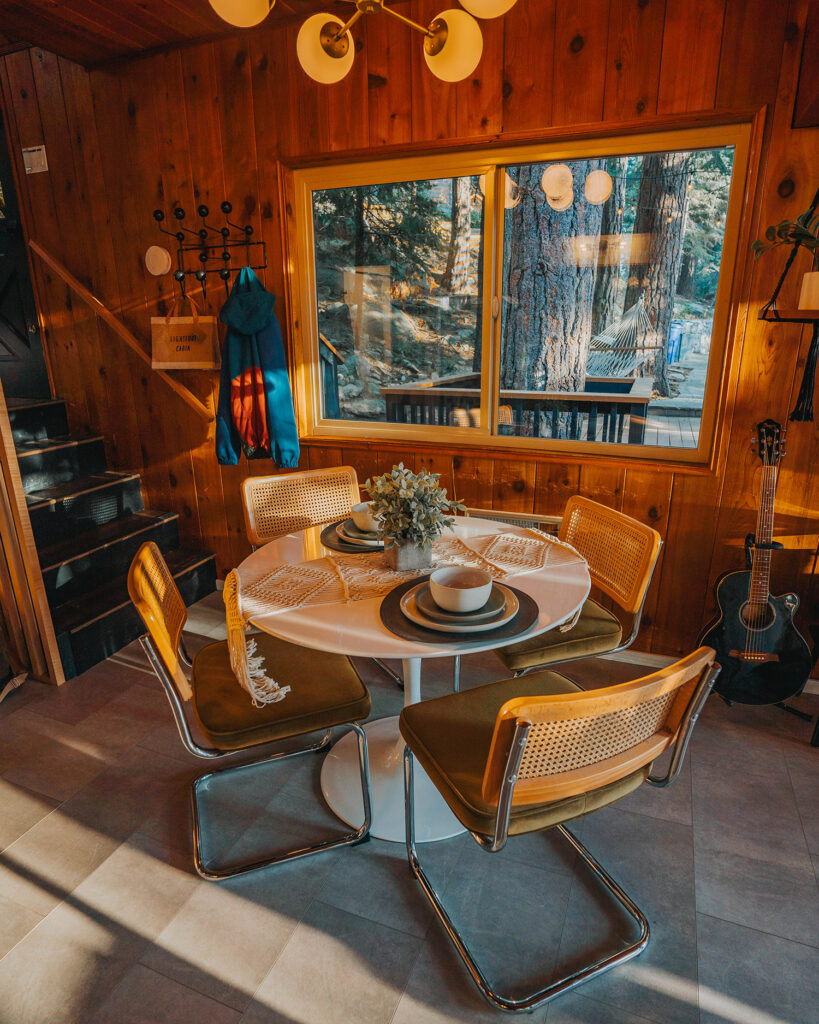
x,y
119,328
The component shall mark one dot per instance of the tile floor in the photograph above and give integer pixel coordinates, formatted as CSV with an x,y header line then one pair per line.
x,y
103,922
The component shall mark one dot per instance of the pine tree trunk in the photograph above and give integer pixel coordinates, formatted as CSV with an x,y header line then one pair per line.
x,y
548,289
604,309
457,259
660,226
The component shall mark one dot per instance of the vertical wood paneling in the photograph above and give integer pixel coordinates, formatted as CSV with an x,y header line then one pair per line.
x,y
389,101
633,58
688,74
581,40
433,101
528,56
213,121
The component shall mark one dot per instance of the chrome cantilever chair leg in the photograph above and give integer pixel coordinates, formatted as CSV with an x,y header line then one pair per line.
x,y
556,988
349,838
399,682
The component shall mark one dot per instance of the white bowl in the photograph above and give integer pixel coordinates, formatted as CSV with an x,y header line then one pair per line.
x,y
363,517
460,590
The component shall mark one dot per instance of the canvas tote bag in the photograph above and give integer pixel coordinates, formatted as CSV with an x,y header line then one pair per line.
x,y
184,342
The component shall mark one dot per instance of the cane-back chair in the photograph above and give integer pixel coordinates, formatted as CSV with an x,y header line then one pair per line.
x,y
621,553
532,753
325,691
275,505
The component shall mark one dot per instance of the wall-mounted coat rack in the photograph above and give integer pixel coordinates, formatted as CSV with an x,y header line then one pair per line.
x,y
213,246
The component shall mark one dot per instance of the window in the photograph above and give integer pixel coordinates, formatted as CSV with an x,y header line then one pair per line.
x,y
552,296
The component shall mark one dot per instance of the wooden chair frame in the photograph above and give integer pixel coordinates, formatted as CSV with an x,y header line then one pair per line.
x,y
683,727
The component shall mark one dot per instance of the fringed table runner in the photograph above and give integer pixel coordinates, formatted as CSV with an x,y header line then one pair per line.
x,y
340,578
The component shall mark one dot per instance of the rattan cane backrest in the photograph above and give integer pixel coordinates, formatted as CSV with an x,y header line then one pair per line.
x,y
276,505
581,741
160,605
621,551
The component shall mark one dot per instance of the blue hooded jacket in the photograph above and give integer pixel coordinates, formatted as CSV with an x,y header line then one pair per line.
x,y
255,411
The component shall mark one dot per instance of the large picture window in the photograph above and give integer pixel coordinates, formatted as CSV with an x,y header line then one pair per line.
x,y
541,296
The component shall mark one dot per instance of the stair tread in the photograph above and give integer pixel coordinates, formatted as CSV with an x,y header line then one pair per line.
x,y
83,610
72,488
49,444
100,536
31,403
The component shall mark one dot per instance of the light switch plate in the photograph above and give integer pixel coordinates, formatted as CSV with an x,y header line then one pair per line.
x,y
34,159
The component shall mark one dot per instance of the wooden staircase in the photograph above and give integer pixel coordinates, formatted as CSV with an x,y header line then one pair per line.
x,y
88,522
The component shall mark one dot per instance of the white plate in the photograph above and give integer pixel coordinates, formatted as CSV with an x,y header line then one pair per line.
x,y
411,611
358,542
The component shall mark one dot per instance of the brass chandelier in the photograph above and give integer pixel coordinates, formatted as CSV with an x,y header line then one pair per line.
x,y
453,43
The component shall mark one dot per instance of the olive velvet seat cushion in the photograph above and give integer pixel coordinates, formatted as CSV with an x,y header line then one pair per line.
x,y
596,632
325,690
451,736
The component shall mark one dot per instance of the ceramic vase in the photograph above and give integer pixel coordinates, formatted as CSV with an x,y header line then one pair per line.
x,y
403,557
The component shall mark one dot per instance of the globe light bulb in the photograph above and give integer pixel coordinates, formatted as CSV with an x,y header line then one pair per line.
x,y
454,49
242,13
324,57
487,8
558,186
598,187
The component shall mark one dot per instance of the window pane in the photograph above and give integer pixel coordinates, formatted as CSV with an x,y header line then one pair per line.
x,y
610,269
398,281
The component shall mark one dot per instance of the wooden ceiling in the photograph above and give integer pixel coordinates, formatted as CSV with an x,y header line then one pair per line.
x,y
93,32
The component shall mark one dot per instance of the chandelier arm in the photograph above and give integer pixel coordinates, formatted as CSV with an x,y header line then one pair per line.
x,y
342,29
407,21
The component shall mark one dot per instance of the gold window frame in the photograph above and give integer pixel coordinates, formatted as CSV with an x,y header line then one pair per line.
x,y
300,183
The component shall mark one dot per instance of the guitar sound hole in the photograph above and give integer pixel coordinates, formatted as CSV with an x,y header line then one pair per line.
x,y
755,616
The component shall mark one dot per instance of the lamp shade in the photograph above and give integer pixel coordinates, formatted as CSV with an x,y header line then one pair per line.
x,y
242,13
315,54
456,47
487,8
558,186
598,187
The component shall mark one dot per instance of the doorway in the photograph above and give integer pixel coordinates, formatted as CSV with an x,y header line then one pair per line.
x,y
22,361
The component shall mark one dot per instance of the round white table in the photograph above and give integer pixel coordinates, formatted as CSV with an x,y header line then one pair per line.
x,y
355,629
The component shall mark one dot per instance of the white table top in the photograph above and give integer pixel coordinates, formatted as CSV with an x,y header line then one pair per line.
x,y
356,629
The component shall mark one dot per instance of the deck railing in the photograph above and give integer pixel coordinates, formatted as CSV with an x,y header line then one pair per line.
x,y
613,407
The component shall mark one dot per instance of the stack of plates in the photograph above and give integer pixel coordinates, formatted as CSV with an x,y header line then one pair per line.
x,y
350,534
418,606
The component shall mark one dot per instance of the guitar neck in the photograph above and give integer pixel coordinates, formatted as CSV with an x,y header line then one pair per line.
x,y
761,566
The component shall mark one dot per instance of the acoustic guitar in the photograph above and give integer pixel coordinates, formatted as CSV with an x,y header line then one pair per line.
x,y
764,658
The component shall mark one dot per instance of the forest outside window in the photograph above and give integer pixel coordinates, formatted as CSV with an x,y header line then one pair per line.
x,y
541,296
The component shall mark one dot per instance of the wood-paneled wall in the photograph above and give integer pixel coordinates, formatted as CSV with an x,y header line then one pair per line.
x,y
197,124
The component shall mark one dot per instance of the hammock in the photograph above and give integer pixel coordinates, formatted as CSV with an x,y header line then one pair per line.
x,y
615,352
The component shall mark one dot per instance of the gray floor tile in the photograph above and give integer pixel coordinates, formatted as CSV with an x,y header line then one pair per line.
x,y
336,967
758,811
746,975
21,809
804,776
575,1008
144,996
53,767
510,914
654,862
50,860
763,894
671,803
225,937
15,923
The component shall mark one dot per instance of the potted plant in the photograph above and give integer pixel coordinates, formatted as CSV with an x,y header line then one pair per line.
x,y
803,232
413,510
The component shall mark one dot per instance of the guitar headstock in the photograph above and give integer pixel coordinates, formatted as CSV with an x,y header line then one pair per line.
x,y
769,442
